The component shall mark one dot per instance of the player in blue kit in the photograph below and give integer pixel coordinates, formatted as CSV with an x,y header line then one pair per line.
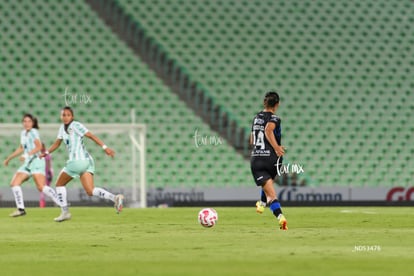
x,y
33,166
80,163
267,154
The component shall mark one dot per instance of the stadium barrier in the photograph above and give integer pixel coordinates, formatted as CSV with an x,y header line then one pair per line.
x,y
241,196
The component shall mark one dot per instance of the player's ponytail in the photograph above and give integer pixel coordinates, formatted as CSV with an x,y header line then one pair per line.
x,y
35,123
34,120
271,99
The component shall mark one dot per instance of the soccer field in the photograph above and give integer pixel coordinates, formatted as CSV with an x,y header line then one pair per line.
x,y
320,241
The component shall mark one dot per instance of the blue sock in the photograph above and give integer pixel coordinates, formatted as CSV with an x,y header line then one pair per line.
x,y
263,197
275,208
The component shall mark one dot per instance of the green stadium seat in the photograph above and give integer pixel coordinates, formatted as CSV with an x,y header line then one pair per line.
x,y
84,55
332,75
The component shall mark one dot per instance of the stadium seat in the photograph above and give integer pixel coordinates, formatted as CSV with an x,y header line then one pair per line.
x,y
48,52
346,88
336,79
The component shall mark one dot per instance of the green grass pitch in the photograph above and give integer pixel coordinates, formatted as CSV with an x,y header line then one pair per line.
x,y
320,241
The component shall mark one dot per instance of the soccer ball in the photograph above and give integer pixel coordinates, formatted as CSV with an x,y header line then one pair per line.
x,y
207,217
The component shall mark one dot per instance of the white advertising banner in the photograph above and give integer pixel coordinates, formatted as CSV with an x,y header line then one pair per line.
x,y
170,196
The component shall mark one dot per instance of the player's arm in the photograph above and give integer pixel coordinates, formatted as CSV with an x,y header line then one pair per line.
x,y
251,140
99,142
270,136
53,147
37,148
16,153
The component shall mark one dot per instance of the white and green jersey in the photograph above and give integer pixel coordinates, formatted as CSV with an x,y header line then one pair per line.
x,y
27,140
73,139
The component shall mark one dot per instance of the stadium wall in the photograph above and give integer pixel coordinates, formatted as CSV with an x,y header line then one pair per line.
x,y
237,196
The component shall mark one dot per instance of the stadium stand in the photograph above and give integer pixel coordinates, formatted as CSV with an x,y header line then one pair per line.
x,y
343,69
48,46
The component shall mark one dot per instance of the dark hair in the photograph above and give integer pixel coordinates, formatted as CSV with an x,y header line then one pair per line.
x,y
68,108
271,99
33,118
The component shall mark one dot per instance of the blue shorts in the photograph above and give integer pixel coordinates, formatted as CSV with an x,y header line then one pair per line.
x,y
34,166
75,168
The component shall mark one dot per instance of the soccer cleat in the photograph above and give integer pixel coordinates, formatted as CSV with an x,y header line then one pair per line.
x,y
260,206
282,222
119,203
63,216
18,213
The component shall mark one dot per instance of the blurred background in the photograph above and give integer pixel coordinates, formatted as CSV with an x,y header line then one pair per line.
x,y
195,73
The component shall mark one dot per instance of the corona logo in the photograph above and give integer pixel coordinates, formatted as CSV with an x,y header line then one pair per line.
x,y
293,194
400,194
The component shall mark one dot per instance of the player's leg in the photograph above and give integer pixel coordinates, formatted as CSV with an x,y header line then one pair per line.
x,y
63,179
263,197
259,175
37,169
274,203
16,182
89,187
73,168
40,180
261,204
273,166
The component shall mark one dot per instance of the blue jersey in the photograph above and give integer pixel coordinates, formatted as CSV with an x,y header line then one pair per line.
x,y
27,140
73,139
